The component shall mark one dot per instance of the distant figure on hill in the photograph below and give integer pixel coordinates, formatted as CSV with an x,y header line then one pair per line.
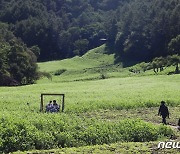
x,y
49,106
163,111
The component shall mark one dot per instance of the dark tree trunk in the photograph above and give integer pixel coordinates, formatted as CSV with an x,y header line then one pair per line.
x,y
177,69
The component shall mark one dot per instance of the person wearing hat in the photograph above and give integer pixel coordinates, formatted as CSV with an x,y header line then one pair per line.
x,y
164,112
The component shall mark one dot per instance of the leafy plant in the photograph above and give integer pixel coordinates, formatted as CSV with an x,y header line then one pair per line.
x,y
59,72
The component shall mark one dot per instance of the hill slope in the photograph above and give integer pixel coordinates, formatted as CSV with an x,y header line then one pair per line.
x,y
94,58
95,64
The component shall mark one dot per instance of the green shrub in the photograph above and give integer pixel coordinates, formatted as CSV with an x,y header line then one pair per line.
x,y
59,72
53,130
138,131
165,131
45,74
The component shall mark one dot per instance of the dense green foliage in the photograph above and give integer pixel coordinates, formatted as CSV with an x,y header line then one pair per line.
x,y
17,62
120,147
52,131
145,28
139,30
159,64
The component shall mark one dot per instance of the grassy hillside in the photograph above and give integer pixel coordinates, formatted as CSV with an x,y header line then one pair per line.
x,y
94,58
95,64
96,111
92,65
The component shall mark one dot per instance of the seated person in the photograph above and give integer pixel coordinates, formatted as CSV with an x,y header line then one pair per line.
x,y
49,106
55,107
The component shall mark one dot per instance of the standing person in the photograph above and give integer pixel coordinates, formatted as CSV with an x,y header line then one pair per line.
x,y
163,111
179,124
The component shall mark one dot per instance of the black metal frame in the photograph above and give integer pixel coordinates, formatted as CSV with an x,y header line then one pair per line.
x,y
48,94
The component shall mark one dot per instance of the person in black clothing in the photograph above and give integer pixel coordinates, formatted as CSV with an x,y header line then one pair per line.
x,y
179,124
163,111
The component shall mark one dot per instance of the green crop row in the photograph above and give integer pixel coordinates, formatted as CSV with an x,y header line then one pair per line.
x,y
54,131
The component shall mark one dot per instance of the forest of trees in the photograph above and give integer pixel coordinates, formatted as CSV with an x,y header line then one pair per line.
x,y
17,62
135,30
138,29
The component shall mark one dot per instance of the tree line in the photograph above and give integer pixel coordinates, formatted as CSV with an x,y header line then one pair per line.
x,y
17,62
146,29
138,30
134,30
158,64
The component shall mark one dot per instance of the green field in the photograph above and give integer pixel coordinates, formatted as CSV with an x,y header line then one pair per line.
x,y
104,104
120,148
90,66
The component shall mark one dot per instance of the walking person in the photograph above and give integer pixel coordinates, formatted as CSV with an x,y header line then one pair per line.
x,y
179,124
164,112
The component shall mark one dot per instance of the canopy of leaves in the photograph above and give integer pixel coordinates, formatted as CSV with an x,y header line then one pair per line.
x,y
137,30
17,62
